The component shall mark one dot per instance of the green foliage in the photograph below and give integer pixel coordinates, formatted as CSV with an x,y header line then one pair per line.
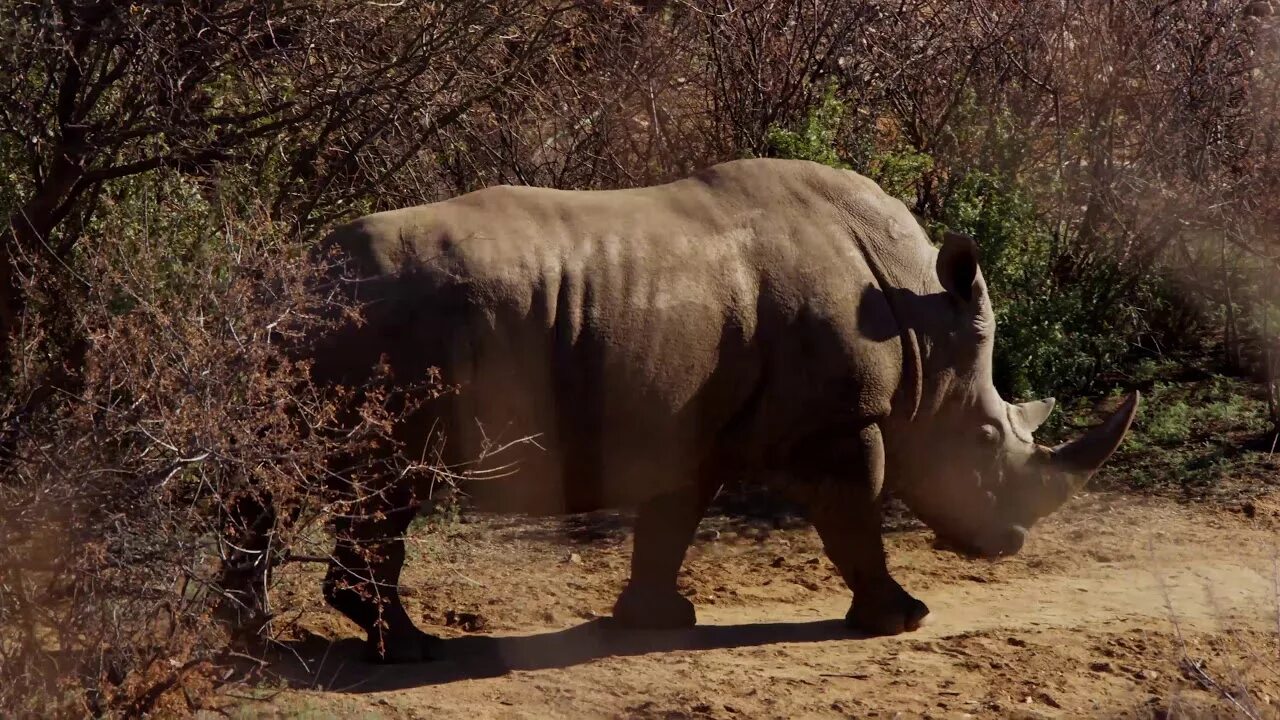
x,y
898,170
1167,423
444,510
1054,337
1191,435
815,139
1178,414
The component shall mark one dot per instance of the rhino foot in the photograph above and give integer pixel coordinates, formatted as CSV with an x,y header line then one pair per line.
x,y
409,646
653,610
890,613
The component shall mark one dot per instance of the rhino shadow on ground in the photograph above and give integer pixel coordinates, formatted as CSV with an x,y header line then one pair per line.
x,y
340,666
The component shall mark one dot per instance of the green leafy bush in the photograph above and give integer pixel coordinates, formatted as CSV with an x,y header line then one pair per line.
x,y
1056,334
815,138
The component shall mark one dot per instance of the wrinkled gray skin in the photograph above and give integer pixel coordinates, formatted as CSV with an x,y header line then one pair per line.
x,y
763,320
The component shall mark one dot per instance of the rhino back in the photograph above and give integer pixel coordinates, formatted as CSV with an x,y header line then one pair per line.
x,y
640,335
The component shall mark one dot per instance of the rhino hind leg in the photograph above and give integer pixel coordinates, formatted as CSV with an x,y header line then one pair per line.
x,y
363,583
663,530
248,561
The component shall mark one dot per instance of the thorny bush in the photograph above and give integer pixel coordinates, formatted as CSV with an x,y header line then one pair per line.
x,y
124,503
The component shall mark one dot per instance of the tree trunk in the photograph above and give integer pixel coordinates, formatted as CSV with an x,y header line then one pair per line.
x,y
1271,373
1231,333
26,237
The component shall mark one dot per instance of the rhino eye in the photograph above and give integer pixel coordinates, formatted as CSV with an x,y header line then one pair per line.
x,y
989,435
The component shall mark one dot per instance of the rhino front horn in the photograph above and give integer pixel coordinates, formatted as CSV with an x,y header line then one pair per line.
x,y
1082,457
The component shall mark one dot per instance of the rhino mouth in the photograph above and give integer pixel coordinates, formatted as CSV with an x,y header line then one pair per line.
x,y
991,546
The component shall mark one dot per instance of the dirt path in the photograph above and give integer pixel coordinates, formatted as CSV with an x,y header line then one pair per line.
x,y
1081,624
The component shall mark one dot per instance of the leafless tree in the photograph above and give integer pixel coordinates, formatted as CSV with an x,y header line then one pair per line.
x,y
328,105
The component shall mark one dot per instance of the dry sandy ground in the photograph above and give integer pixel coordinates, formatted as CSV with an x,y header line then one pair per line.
x,y
1118,607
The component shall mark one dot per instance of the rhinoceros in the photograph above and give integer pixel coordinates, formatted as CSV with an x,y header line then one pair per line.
x,y
772,321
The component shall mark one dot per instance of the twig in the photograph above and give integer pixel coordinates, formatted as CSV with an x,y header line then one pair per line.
x,y
1186,663
464,577
290,558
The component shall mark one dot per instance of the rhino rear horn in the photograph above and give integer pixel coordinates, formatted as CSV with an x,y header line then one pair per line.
x,y
1082,457
1031,415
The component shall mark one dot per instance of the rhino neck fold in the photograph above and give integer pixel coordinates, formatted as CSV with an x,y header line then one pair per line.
x,y
911,389
910,393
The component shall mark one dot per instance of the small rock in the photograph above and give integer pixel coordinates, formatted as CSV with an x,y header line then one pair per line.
x,y
574,559
1050,700
1100,666
1249,509
703,708
709,535
731,709
465,621
1017,642
813,561
1147,675
778,562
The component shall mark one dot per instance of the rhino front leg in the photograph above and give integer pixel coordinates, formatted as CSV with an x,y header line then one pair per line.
x,y
363,583
846,513
663,530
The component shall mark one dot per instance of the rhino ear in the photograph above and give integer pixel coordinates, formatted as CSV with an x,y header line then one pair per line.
x,y
958,265
1031,415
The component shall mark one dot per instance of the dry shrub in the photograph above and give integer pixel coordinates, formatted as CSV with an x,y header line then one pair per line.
x,y
124,503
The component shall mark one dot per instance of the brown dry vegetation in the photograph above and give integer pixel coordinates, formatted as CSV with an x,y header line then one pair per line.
x,y
166,167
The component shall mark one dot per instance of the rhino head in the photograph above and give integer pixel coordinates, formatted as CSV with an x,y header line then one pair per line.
x,y
970,467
